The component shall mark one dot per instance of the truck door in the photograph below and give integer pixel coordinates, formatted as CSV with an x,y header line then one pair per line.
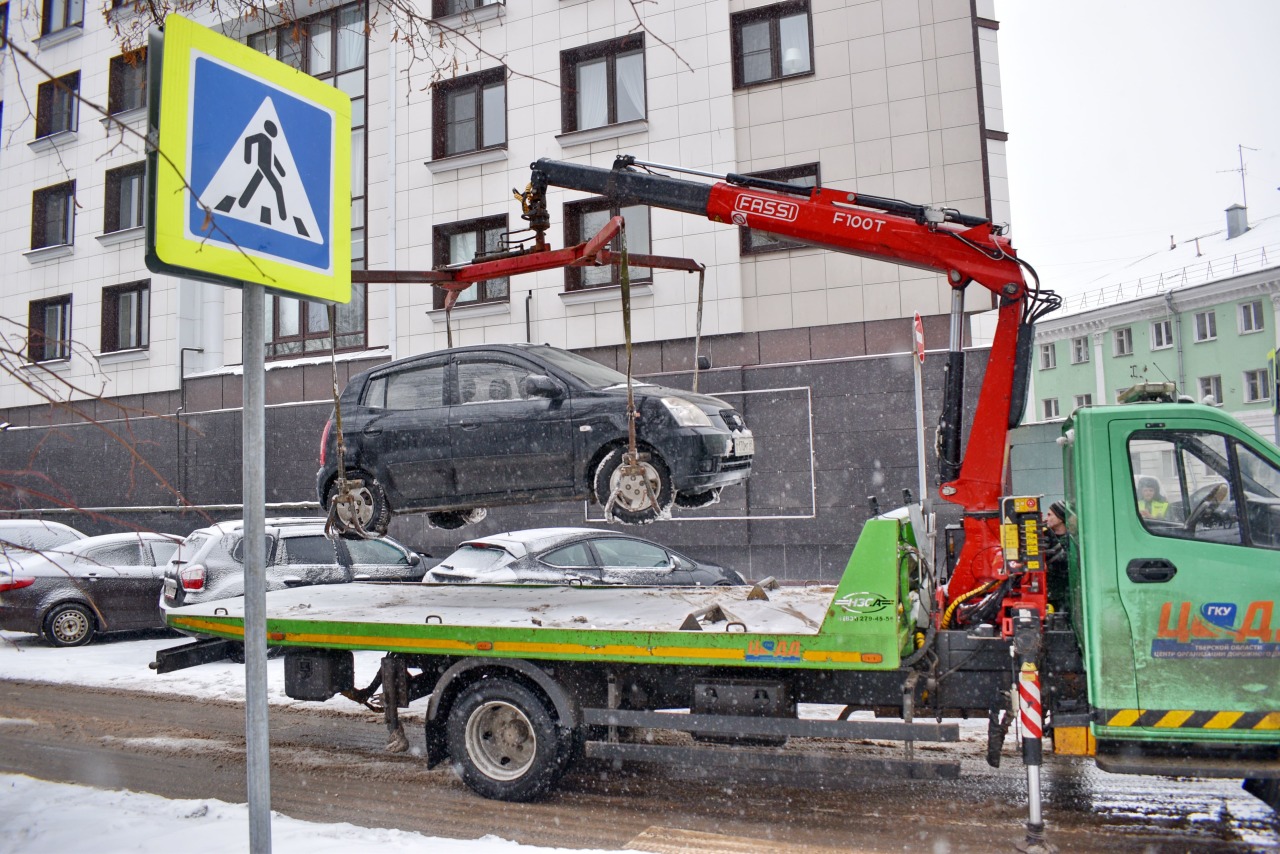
x,y
505,441
1197,521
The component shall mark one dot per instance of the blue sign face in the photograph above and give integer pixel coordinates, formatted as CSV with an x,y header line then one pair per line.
x,y
260,168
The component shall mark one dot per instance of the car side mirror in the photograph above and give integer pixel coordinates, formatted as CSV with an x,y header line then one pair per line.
x,y
293,581
539,385
704,362
414,558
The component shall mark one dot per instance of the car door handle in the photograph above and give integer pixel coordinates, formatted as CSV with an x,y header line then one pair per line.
x,y
470,425
1150,570
372,431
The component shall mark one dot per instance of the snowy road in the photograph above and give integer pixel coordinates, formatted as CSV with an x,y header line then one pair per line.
x,y
328,766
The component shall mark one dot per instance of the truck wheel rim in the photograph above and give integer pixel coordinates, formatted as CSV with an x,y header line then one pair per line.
x,y
70,626
629,489
500,741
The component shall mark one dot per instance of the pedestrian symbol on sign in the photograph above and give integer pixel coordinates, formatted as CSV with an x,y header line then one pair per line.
x,y
258,181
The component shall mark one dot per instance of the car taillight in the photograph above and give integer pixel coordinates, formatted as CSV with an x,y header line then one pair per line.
x,y
15,583
324,441
192,577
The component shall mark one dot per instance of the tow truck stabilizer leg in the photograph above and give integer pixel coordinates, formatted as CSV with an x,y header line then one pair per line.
x,y
1026,646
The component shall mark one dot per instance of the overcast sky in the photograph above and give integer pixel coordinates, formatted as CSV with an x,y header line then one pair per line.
x,y
1124,120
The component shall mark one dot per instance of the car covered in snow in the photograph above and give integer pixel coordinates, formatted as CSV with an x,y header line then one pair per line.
x,y
20,537
209,563
575,556
71,593
453,432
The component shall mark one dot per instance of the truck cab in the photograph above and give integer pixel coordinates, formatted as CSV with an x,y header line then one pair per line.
x,y
1174,524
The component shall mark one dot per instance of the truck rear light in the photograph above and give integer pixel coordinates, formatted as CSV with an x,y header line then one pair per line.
x,y
15,583
324,441
192,577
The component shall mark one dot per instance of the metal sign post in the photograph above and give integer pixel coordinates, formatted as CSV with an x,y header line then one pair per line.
x,y
253,478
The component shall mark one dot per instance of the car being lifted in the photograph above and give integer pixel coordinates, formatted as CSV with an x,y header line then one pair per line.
x,y
456,431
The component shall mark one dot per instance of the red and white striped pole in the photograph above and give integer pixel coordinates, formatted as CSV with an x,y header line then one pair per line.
x,y
1032,717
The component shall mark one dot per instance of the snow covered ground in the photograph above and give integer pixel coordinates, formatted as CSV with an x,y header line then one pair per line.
x,y
37,816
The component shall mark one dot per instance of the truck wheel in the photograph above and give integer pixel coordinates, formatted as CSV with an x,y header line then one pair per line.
x,y
504,741
1265,790
368,504
69,624
632,502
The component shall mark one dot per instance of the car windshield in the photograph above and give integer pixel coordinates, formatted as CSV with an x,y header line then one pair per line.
x,y
591,373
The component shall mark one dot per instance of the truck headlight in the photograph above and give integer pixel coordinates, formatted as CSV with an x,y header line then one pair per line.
x,y
685,413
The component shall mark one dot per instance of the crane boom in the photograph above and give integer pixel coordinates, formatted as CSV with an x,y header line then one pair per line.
x,y
962,248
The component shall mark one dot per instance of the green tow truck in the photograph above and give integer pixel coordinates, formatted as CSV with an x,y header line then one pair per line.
x,y
1163,657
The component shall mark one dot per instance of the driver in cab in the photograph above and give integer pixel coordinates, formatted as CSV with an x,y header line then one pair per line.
x,y
1151,501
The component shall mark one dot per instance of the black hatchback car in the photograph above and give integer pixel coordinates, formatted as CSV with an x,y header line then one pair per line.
x,y
456,431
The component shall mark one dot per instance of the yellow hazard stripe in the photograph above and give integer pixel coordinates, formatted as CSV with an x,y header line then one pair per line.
x,y
1189,719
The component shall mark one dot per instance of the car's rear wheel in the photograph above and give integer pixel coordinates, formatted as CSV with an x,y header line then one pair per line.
x,y
451,520
633,497
69,624
695,500
366,505
504,741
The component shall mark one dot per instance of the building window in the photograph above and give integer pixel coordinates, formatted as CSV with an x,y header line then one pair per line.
x,y
1080,350
602,84
1122,341
443,8
469,113
56,105
1048,356
1255,386
49,329
53,215
1049,408
771,43
1206,326
583,220
1251,317
460,243
1084,400
1211,389
127,82
126,317
331,47
126,198
1161,334
751,240
60,14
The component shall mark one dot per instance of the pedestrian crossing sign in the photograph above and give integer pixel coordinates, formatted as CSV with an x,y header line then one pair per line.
x,y
251,179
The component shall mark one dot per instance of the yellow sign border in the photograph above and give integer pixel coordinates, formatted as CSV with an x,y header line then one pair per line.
x,y
172,246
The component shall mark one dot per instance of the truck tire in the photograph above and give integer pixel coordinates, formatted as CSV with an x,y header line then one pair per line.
x,y
504,742
69,624
633,503
1265,790
370,508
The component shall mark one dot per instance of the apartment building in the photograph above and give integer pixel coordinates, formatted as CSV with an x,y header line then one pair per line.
x,y
889,97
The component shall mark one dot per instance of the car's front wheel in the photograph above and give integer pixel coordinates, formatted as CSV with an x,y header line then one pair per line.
x,y
633,495
69,624
504,741
365,504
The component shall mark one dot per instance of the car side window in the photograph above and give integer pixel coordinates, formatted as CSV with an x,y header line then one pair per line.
x,y
376,552
1261,480
316,549
620,552
161,551
417,388
1184,486
573,555
119,554
490,381
237,550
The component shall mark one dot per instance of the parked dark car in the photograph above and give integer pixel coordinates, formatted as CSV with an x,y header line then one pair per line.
x,y
69,594
209,564
574,556
456,431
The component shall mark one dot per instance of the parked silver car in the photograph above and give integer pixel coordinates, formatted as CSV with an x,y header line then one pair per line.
x,y
71,593
19,537
210,562
574,556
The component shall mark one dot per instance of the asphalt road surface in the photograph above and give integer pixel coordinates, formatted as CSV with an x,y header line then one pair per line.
x,y
329,766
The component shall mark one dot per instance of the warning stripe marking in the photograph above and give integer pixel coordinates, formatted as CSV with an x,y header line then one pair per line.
x,y
1188,719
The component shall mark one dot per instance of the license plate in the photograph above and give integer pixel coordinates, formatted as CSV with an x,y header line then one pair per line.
x,y
170,588
744,445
